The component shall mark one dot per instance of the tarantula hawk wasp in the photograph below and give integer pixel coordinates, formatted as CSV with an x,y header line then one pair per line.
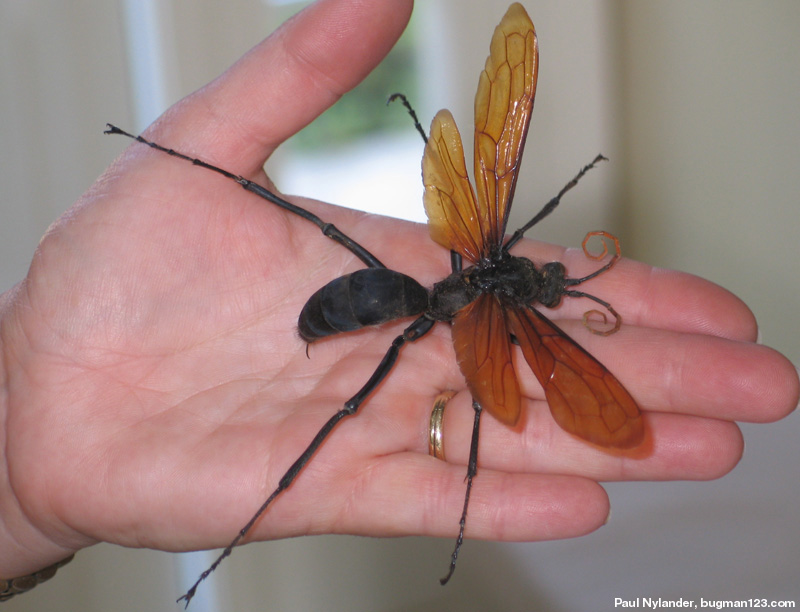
x,y
488,304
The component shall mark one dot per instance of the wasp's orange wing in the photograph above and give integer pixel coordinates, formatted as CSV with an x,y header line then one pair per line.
x,y
481,340
503,104
503,108
584,397
453,218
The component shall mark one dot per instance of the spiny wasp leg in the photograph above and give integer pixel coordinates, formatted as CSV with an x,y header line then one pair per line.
x,y
455,258
413,332
328,229
472,471
552,204
411,111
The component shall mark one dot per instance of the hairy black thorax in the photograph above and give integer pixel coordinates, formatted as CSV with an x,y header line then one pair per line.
x,y
514,279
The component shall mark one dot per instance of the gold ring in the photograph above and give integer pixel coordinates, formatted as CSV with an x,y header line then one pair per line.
x,y
436,438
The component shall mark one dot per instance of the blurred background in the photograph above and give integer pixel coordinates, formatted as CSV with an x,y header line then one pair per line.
x,y
695,103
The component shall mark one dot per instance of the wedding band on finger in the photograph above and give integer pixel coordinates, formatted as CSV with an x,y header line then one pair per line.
x,y
436,433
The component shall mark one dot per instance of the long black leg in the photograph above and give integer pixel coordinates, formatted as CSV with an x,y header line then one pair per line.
x,y
411,111
416,330
472,470
328,229
551,205
455,258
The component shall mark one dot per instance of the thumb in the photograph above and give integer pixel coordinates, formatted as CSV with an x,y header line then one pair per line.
x,y
284,82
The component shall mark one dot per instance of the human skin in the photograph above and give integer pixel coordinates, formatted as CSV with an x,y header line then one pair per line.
x,y
154,387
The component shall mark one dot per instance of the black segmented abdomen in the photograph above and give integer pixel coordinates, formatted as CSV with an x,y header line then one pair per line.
x,y
367,297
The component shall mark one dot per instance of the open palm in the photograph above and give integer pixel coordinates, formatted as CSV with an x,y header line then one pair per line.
x,y
157,387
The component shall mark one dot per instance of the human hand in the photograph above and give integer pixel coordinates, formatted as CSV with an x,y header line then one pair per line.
x,y
156,388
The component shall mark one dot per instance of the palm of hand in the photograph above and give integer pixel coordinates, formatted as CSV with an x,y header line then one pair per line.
x,y
172,294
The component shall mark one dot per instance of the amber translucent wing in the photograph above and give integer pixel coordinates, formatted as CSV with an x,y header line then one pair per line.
x,y
503,108
503,104
453,220
584,397
483,350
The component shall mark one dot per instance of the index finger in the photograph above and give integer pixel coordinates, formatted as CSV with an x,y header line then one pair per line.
x,y
647,296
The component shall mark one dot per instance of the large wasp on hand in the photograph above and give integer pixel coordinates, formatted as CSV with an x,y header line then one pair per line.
x,y
489,304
